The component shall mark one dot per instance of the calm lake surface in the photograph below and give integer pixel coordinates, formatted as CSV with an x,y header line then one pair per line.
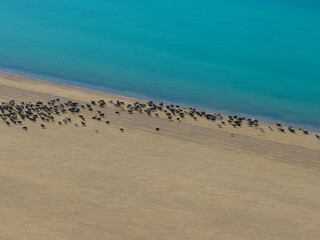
x,y
252,58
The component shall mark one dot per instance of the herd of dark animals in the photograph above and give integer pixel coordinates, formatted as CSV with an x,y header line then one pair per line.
x,y
13,113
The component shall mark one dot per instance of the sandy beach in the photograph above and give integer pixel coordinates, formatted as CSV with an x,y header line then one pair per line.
x,y
143,175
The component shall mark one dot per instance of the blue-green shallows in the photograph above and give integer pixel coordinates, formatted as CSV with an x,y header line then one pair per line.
x,y
246,57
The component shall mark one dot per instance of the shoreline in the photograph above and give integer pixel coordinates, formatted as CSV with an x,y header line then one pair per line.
x,y
75,169
105,90
264,130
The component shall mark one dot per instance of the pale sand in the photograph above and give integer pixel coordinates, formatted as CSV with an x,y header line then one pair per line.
x,y
191,180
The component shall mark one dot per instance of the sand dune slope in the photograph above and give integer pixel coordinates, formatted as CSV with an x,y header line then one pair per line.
x,y
186,181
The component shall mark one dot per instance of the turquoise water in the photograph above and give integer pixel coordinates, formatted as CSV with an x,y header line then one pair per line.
x,y
251,57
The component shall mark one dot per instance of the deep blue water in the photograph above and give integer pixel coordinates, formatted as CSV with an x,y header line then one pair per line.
x,y
251,57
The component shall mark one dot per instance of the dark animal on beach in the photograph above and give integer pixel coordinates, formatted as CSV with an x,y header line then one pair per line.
x,y
102,103
25,128
121,129
43,126
291,130
157,129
